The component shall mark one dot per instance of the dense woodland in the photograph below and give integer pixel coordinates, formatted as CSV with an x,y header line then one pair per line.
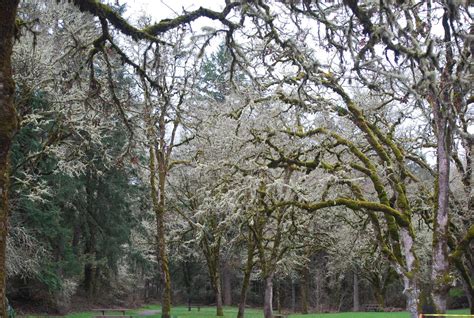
x,y
305,155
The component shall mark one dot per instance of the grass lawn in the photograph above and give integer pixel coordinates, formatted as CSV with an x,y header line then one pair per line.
x,y
231,312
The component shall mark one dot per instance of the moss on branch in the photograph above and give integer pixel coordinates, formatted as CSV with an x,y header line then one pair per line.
x,y
353,205
104,11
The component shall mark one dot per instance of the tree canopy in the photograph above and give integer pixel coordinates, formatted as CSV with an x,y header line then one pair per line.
x,y
321,145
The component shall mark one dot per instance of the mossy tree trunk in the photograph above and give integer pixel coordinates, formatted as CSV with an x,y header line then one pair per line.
x,y
8,126
158,172
159,208
397,239
161,240
440,263
268,297
246,280
443,114
410,272
211,251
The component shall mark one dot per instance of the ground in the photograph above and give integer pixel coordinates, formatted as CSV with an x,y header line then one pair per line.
x,y
231,312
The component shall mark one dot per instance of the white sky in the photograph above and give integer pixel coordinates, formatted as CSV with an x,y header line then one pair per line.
x,y
164,9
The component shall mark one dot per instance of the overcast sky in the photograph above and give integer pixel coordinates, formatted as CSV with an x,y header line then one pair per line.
x,y
163,9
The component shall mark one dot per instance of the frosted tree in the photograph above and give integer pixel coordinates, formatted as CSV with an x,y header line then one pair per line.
x,y
106,17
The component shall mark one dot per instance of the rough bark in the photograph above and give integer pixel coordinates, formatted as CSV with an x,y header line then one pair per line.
x,y
410,274
379,296
159,208
277,297
8,126
187,283
268,297
355,305
465,269
246,281
211,252
442,113
218,293
166,296
440,267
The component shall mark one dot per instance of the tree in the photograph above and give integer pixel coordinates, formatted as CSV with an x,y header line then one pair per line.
x,y
8,124
8,120
352,37
164,101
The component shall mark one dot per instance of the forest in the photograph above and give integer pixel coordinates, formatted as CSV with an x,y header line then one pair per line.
x,y
315,156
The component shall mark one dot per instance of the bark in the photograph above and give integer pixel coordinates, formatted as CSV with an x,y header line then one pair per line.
x,y
227,284
440,267
378,289
410,273
158,164
465,269
379,297
163,156
277,297
268,297
355,298
469,292
441,113
246,280
166,296
187,283
159,208
218,293
211,252
8,126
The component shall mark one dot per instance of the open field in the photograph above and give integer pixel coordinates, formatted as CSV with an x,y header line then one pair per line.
x,y
231,312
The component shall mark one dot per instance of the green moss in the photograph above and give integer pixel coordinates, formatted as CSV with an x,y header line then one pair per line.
x,y
328,166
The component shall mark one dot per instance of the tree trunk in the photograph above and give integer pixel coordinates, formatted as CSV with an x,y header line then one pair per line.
x,y
442,113
165,271
227,284
277,297
410,273
218,292
440,267
412,295
355,295
187,283
159,209
160,219
317,291
379,296
268,297
246,280
8,126
470,299
211,252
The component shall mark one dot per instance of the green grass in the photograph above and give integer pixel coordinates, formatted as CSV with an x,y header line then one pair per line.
x,y
231,312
